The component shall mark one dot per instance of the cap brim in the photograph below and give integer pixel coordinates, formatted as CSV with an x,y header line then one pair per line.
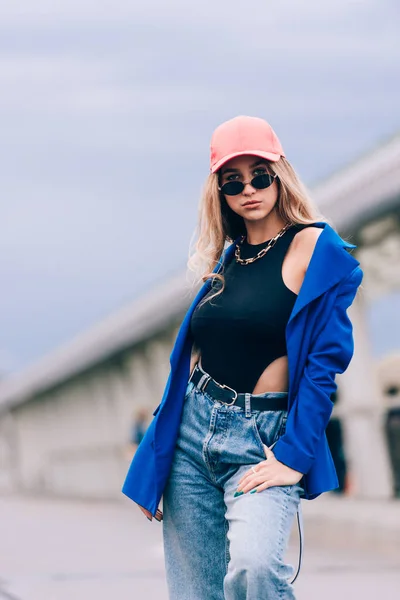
x,y
268,155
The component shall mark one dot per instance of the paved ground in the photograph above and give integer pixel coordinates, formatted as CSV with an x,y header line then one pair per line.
x,y
68,550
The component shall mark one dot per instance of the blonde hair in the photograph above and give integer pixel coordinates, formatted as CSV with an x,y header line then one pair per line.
x,y
218,223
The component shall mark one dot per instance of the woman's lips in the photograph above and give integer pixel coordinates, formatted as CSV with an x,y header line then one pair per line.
x,y
252,204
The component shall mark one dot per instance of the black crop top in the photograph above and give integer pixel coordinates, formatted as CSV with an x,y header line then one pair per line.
x,y
241,331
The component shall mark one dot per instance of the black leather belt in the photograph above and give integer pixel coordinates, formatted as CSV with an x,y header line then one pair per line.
x,y
205,383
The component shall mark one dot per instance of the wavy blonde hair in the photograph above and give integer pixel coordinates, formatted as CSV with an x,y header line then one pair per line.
x,y
217,223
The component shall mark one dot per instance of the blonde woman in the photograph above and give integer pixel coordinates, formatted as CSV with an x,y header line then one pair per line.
x,y
238,438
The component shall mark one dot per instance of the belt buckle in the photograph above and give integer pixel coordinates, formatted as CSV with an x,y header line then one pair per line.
x,y
222,385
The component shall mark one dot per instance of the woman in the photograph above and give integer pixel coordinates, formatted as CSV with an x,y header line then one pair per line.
x,y
253,368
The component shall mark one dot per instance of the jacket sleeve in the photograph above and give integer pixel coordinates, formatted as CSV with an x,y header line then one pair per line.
x,y
330,353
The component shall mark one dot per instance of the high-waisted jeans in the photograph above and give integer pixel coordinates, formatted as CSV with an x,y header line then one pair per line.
x,y
217,546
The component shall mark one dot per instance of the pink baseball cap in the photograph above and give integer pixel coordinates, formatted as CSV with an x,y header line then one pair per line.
x,y
243,135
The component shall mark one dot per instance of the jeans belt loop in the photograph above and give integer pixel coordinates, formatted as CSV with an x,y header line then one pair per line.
x,y
247,404
203,381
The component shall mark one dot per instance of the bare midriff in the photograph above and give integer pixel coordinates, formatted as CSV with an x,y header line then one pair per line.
x,y
274,378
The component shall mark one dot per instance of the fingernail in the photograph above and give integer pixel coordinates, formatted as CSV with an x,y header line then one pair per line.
x,y
237,494
148,518
253,491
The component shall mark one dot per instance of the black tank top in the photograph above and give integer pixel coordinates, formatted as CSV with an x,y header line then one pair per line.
x,y
241,331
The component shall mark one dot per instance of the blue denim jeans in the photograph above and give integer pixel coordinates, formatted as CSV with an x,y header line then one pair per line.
x,y
217,546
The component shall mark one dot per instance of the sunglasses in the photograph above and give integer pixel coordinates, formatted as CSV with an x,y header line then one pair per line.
x,y
260,182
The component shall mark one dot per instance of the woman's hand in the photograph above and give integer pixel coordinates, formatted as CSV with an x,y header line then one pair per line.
x,y
148,514
268,473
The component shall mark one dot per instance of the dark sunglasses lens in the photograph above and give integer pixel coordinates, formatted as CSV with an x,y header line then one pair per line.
x,y
232,188
260,182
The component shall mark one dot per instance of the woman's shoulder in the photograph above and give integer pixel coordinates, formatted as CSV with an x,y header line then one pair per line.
x,y
313,228
308,234
305,241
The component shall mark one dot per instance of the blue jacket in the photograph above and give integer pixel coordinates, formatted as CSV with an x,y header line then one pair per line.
x,y
319,337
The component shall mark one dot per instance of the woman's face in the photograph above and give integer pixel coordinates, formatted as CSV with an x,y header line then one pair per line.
x,y
244,168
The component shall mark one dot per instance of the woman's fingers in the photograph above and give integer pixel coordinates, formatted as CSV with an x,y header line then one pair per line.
x,y
145,512
158,515
250,472
250,484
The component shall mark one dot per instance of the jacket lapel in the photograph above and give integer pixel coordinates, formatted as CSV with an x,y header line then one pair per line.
x,y
329,263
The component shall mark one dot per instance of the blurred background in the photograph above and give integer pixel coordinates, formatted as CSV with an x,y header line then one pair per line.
x,y
106,111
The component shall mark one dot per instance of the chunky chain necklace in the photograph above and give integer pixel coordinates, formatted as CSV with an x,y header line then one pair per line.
x,y
247,261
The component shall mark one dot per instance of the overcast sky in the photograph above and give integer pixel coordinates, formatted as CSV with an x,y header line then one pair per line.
x,y
106,113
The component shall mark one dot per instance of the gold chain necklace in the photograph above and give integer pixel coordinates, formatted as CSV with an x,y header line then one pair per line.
x,y
247,261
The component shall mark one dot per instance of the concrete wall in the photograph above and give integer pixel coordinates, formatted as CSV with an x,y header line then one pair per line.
x,y
73,440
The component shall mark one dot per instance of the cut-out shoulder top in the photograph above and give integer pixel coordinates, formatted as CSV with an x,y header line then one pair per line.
x,y
241,331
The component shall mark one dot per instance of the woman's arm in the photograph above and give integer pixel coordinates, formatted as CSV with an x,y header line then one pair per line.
x,y
330,354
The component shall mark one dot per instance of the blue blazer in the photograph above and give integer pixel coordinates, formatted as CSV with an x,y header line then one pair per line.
x,y
319,337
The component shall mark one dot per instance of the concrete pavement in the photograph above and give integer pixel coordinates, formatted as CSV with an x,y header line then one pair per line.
x,y
53,549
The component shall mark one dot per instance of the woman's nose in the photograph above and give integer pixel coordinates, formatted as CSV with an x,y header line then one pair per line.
x,y
248,188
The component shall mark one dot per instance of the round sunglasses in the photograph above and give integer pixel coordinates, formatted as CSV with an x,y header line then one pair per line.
x,y
260,182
